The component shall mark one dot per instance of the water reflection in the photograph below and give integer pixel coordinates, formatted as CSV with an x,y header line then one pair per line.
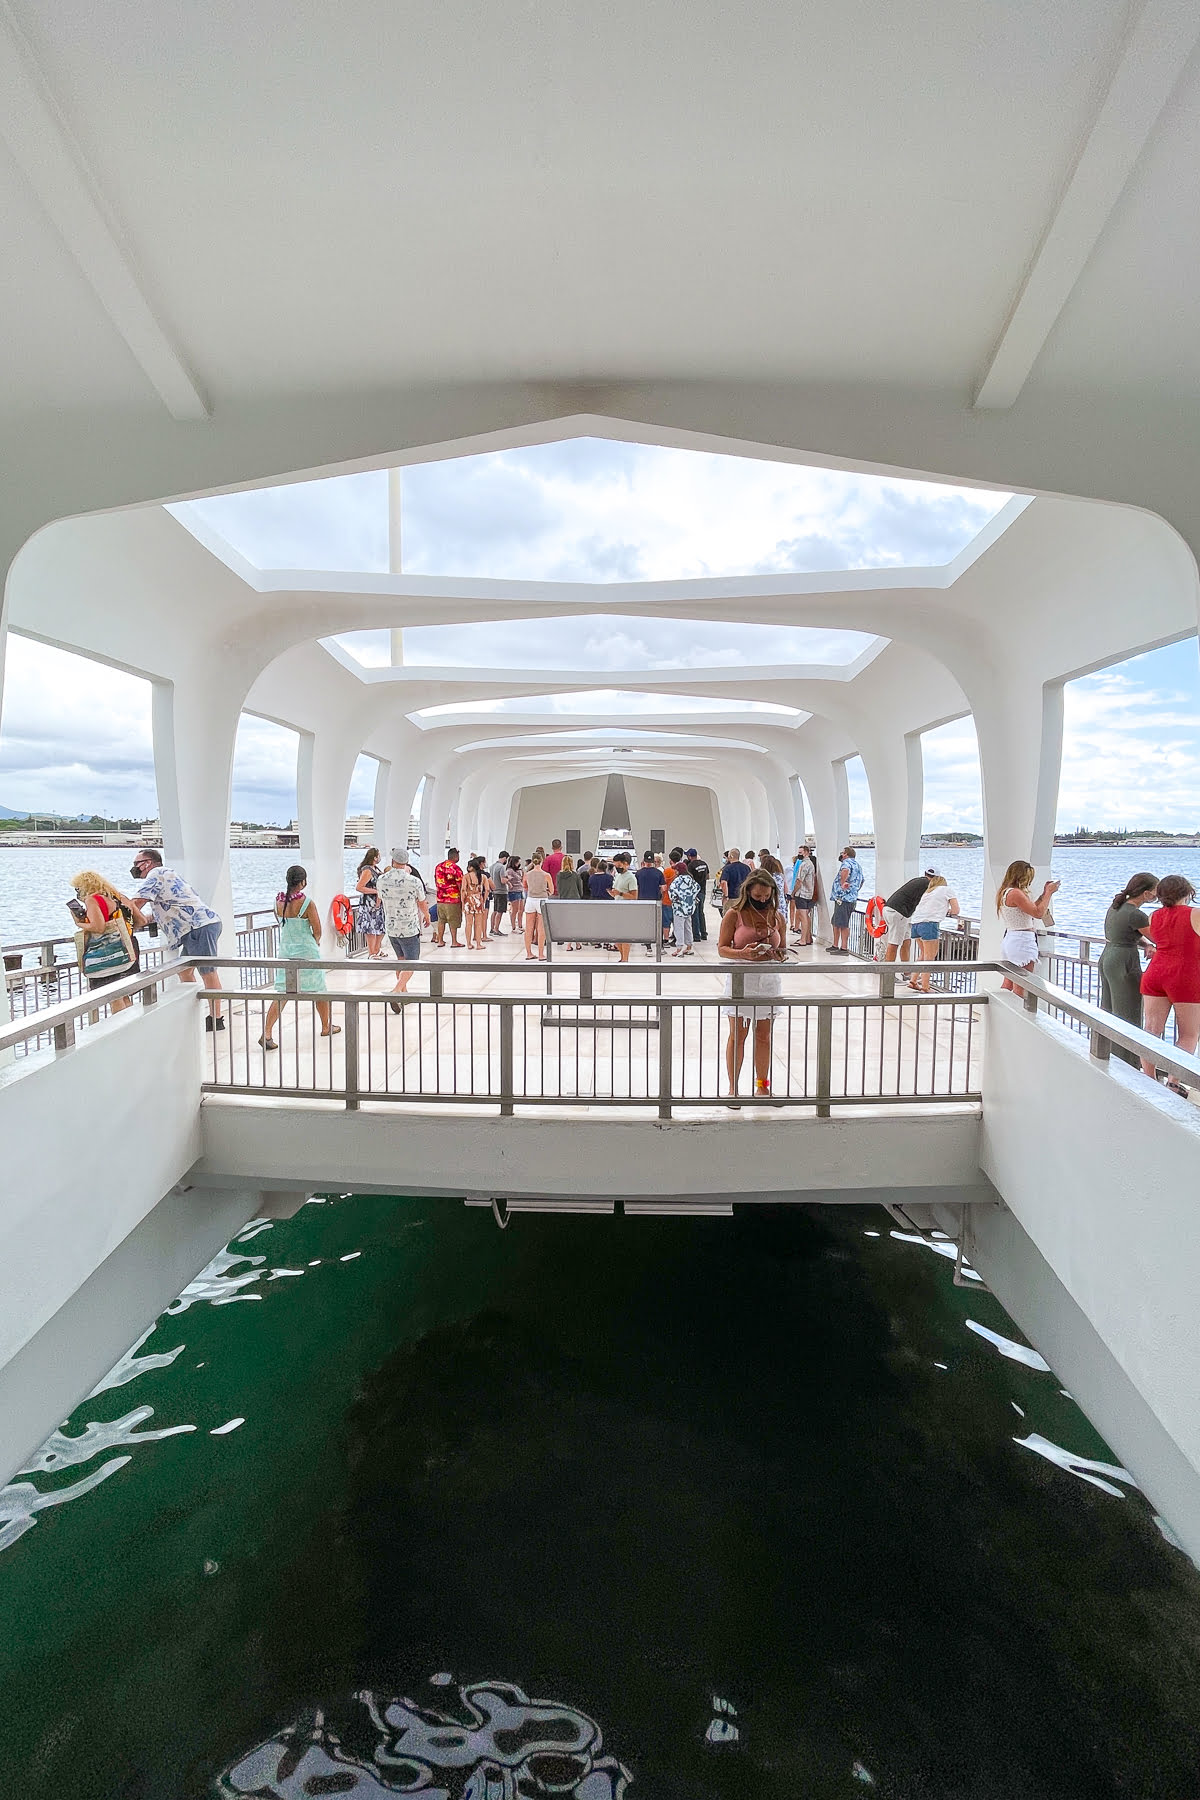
x,y
492,1743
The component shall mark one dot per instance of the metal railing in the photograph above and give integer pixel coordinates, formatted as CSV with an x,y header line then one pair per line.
x,y
44,972
1104,1031
571,1046
639,1046
56,1025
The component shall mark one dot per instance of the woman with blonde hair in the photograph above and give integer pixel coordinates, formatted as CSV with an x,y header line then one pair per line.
x,y
1019,916
935,904
103,915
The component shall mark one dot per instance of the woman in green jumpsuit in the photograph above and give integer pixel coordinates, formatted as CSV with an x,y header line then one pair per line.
x,y
1120,963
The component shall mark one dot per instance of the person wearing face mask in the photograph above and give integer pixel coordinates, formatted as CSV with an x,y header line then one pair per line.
x,y
752,931
186,925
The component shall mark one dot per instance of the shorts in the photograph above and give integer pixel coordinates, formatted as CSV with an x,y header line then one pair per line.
x,y
804,905
928,930
499,903
1180,986
843,912
757,988
450,913
533,903
201,940
1020,947
898,925
407,949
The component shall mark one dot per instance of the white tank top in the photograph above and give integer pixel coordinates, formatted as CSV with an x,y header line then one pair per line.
x,y
1013,919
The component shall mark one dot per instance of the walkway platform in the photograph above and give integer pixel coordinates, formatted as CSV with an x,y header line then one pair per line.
x,y
519,1033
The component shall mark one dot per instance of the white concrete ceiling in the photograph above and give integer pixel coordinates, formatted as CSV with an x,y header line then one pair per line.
x,y
213,204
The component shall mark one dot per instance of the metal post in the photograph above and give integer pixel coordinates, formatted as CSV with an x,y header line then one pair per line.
x,y
887,981
291,979
47,957
435,982
1099,1046
666,1020
351,1055
150,995
506,1062
585,984
1031,1001
824,1057
64,1035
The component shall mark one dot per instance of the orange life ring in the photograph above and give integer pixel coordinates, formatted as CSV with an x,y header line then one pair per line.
x,y
342,915
875,922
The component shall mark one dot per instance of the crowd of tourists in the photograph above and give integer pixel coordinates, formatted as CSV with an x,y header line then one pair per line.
x,y
1149,968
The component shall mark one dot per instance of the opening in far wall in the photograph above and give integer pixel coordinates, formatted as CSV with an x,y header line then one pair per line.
x,y
952,805
862,820
76,740
264,773
1131,746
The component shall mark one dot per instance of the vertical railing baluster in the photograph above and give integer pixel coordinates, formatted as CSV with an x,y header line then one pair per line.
x,y
824,1056
506,1059
350,1010
666,1017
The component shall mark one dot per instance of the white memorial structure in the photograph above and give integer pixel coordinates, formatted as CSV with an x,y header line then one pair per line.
x,y
960,246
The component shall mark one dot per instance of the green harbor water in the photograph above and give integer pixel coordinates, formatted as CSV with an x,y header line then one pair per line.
x,y
668,1509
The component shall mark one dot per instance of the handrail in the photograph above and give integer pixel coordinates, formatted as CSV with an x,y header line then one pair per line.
x,y
1104,1029
59,1019
675,967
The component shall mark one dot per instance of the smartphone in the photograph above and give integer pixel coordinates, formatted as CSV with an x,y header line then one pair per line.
x,y
77,910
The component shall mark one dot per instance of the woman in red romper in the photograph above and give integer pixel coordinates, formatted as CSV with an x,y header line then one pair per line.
x,y
1172,978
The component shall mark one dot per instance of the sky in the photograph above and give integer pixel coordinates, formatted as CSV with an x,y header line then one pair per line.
x,y
75,736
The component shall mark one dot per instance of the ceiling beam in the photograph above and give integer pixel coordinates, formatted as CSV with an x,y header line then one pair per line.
x,y
36,131
1158,42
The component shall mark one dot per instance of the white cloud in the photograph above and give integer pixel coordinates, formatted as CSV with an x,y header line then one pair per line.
x,y
264,771
590,510
76,735
610,641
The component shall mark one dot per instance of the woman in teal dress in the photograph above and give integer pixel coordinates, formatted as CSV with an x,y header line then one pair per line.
x,y
299,941
1120,963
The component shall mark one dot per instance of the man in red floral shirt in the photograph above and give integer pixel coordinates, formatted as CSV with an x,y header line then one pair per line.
x,y
447,881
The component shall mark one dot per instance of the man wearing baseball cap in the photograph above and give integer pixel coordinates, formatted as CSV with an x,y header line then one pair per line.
x,y
405,910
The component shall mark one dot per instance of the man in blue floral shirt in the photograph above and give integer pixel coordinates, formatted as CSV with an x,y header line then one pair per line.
x,y
847,884
184,922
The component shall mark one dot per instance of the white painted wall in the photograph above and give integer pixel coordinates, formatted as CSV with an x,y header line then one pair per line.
x,y
687,814
257,1143
544,813
93,1138
1099,1169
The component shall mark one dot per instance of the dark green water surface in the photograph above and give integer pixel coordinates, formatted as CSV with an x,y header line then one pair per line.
x,y
675,1509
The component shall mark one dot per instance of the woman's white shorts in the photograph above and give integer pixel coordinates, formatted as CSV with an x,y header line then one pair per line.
x,y
762,986
1020,947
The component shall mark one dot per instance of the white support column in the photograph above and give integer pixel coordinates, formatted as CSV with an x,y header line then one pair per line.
x,y
1020,760
760,818
324,767
379,805
829,798
195,726
435,810
799,821
395,552
895,775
